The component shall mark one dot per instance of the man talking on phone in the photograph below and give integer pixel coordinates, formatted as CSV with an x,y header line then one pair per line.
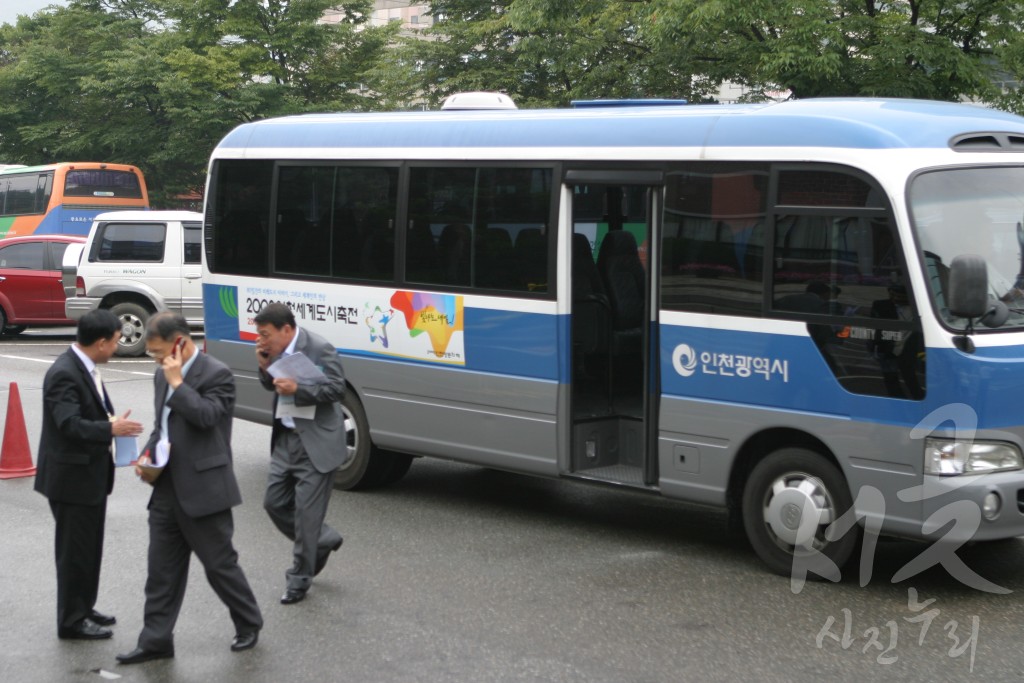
x,y
307,444
193,490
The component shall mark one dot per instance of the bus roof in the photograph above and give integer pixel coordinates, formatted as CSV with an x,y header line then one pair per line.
x,y
835,122
67,164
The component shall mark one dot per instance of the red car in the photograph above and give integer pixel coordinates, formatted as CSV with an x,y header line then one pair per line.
x,y
31,289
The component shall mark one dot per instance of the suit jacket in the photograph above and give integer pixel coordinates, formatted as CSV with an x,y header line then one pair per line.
x,y
199,429
75,464
323,437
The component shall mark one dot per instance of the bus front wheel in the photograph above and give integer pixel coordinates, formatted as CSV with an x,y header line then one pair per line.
x,y
790,499
367,466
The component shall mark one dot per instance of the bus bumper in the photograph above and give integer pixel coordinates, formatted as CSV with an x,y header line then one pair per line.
x,y
964,508
78,306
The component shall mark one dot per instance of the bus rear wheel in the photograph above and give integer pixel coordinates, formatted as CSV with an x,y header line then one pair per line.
x,y
367,466
790,499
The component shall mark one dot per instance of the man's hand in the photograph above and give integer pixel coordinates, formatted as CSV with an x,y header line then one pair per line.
x,y
172,369
285,386
262,359
145,474
122,426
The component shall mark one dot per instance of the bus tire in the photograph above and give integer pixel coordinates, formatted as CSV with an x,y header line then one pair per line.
x,y
133,319
367,466
793,488
398,467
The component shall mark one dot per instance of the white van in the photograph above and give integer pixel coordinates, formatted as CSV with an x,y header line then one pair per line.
x,y
136,263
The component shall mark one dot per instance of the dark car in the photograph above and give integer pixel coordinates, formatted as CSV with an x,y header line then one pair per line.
x,y
31,289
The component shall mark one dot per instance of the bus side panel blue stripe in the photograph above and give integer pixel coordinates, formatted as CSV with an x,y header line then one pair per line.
x,y
514,343
990,381
991,386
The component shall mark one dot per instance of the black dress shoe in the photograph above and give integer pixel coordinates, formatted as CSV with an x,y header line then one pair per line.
x,y
86,629
244,641
321,560
102,619
292,596
138,655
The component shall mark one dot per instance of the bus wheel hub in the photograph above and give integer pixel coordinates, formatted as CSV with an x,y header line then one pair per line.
x,y
796,509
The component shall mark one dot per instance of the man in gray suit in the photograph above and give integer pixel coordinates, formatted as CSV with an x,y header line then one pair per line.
x,y
307,444
190,509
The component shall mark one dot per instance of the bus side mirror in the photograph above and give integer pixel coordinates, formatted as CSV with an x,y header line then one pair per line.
x,y
968,287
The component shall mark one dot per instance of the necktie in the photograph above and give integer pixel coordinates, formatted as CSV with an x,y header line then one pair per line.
x,y
287,421
98,381
99,386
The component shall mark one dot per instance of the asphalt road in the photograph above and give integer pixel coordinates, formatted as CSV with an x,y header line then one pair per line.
x,y
459,573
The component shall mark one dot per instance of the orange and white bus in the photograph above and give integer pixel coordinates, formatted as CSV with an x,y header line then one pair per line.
x,y
63,198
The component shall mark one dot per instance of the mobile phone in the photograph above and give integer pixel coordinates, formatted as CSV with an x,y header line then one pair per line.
x,y
179,344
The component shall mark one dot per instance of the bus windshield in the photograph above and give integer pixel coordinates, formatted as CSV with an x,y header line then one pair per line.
x,y
972,211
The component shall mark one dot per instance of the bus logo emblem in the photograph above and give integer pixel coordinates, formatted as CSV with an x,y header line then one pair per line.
x,y
684,360
227,301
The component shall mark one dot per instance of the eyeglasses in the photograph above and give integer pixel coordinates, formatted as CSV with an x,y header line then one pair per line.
x,y
153,354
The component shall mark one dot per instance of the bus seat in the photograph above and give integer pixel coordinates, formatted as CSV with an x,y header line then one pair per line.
x,y
531,256
421,264
454,251
591,317
377,257
619,264
494,259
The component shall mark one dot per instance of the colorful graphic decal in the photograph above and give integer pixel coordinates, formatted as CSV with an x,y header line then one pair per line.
x,y
414,325
439,316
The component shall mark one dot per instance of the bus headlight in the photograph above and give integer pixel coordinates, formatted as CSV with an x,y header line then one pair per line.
x,y
948,457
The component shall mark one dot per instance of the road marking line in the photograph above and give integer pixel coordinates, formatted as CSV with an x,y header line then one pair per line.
x,y
34,360
50,362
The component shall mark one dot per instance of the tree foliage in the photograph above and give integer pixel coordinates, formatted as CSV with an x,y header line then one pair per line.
x,y
158,82
547,52
933,49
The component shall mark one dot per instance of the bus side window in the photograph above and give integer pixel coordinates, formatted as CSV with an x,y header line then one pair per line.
x,y
836,264
713,238
465,225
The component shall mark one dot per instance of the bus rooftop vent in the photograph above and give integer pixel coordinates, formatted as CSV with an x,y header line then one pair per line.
x,y
584,104
469,101
988,142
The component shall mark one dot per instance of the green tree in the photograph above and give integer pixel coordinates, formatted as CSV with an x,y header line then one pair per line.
x,y
933,49
545,52
157,83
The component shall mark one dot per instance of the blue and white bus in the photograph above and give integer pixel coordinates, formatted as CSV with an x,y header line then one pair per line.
x,y
754,307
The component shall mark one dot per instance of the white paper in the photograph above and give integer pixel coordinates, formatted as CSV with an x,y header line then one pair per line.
x,y
126,450
286,408
163,453
297,367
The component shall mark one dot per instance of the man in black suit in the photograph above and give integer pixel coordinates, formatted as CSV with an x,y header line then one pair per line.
x,y
190,509
76,470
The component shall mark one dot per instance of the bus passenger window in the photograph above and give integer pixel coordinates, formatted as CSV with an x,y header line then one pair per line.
x,y
713,238
836,264
336,221
480,228
238,214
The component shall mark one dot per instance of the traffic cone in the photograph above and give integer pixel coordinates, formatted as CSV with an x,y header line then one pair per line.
x,y
15,456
